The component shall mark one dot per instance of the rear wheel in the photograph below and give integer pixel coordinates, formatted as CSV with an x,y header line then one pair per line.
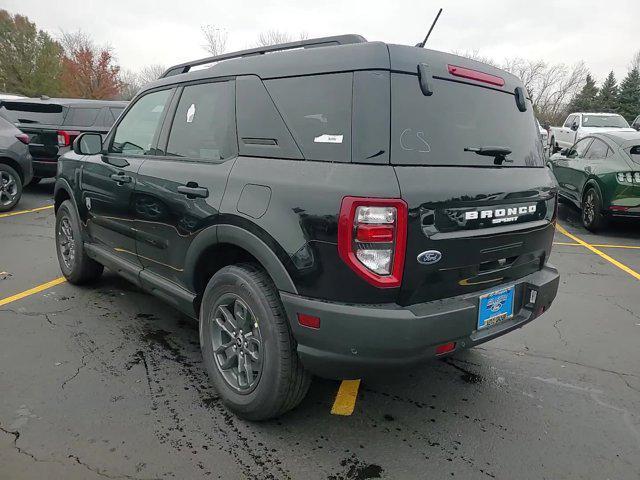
x,y
592,217
10,188
247,346
74,262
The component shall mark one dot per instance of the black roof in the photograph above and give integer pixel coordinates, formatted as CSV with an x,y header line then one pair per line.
x,y
322,55
69,102
622,139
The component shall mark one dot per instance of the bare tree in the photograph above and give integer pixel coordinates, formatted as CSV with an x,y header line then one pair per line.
x,y
215,39
274,37
150,73
635,61
475,55
130,84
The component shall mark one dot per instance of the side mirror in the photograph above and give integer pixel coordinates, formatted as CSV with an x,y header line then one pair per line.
x,y
574,126
636,126
88,144
565,152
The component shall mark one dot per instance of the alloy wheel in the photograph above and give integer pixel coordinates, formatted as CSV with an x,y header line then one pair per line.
x,y
66,243
237,343
8,188
588,208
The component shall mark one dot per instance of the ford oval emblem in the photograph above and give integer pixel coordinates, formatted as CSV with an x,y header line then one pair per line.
x,y
429,257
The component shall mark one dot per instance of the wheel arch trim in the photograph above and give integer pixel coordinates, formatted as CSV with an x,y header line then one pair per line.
x,y
239,237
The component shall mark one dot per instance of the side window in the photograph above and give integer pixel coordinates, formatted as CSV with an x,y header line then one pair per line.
x,y
580,148
317,110
597,150
203,127
114,113
569,121
135,133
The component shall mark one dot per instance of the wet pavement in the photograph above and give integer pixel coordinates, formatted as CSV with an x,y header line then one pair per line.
x,y
106,381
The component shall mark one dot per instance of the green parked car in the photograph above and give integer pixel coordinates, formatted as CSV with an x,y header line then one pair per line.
x,y
600,174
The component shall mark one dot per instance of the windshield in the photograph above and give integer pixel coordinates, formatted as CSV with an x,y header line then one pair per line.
x,y
457,124
614,121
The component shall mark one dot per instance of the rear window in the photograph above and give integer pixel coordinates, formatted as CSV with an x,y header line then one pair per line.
x,y
435,130
26,112
317,110
81,117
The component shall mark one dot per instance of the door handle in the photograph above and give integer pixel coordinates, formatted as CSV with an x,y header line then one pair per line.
x,y
120,178
193,191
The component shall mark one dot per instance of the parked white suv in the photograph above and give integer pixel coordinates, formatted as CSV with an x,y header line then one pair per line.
x,y
578,125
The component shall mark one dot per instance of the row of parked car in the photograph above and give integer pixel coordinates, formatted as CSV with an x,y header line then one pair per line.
x,y
34,132
595,158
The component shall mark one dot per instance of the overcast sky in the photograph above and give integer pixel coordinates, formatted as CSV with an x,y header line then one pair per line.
x,y
604,34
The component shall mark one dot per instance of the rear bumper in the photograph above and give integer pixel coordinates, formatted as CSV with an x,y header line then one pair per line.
x,y
360,340
45,168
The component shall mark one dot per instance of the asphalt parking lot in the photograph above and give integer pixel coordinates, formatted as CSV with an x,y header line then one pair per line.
x,y
106,381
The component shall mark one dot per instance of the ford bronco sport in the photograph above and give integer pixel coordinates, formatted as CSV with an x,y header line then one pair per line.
x,y
333,207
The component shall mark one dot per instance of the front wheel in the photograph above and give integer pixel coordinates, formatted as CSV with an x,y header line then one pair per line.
x,y
592,217
10,188
247,346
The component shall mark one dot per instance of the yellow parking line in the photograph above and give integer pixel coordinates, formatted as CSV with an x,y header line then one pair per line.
x,y
20,212
346,397
31,291
615,262
599,245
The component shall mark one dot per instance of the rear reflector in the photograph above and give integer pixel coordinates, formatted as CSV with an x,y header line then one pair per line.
x,y
23,137
374,233
308,320
445,348
475,75
618,208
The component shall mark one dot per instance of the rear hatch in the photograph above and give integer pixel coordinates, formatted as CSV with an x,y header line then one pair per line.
x,y
41,121
484,219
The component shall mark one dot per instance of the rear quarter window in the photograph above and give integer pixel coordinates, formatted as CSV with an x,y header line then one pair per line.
x,y
634,153
436,129
317,110
81,117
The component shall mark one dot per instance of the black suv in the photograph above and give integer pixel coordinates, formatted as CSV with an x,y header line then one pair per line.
x,y
333,207
52,125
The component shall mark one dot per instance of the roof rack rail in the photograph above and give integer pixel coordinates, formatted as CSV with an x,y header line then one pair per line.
x,y
310,43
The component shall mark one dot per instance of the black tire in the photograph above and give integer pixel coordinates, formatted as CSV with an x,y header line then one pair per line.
x,y
74,262
592,217
35,181
282,381
10,188
554,147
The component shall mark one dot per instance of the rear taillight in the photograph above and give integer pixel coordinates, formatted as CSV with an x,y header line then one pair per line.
x,y
66,137
475,75
372,238
23,137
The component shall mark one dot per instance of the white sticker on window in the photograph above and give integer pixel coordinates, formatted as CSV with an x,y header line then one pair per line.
x,y
191,112
326,138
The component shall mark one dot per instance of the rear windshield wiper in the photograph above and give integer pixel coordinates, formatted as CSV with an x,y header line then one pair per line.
x,y
499,154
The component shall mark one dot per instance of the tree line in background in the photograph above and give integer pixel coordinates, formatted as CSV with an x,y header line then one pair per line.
x,y
33,63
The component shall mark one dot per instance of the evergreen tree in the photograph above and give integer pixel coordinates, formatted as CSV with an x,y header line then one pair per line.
x,y
629,95
607,99
585,100
30,60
